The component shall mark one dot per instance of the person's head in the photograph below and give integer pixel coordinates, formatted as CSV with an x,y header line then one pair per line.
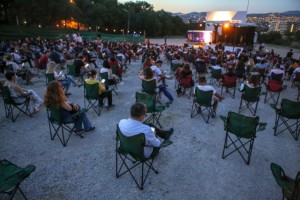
x,y
138,111
54,95
158,63
51,67
9,57
202,80
92,74
148,73
254,79
106,64
186,68
10,75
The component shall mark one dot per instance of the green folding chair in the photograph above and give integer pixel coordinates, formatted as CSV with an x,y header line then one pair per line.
x,y
10,105
150,102
113,87
250,99
229,85
150,88
58,127
11,176
216,75
71,71
240,134
91,98
49,77
202,104
287,118
130,150
290,187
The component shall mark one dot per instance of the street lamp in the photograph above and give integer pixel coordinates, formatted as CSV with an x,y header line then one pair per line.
x,y
128,20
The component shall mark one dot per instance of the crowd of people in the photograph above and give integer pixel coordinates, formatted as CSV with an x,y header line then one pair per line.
x,y
23,59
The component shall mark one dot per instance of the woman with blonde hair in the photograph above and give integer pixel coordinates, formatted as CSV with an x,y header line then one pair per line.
x,y
56,98
64,79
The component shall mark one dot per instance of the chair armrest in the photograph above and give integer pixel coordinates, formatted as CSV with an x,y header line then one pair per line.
x,y
261,126
274,107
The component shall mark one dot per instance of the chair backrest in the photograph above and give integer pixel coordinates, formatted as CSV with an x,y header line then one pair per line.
x,y
290,109
11,175
104,75
149,86
274,85
229,81
216,73
120,58
91,91
133,145
175,66
187,82
49,77
114,68
251,94
71,70
9,67
203,98
277,77
54,115
148,100
261,71
6,95
241,125
297,77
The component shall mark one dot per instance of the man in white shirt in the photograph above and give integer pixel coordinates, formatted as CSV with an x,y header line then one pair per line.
x,y
216,96
134,126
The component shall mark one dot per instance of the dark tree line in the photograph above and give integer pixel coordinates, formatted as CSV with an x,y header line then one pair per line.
x,y
108,14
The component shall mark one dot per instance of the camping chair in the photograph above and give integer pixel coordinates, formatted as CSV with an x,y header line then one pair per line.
x,y
10,105
273,87
174,67
49,78
131,152
240,134
38,68
58,127
113,87
71,71
250,99
289,116
150,102
11,176
186,86
21,76
216,75
91,98
202,102
150,88
177,74
229,83
290,188
262,74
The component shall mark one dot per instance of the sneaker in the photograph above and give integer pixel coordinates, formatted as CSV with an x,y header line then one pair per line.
x,y
79,84
90,129
67,93
169,133
110,106
78,131
213,114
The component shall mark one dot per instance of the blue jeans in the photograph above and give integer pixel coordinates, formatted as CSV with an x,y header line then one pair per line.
x,y
78,120
67,82
166,93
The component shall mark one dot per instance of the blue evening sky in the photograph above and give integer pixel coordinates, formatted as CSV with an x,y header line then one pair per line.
x,y
255,6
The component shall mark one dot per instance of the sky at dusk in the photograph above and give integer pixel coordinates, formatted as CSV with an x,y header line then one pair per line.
x,y
255,6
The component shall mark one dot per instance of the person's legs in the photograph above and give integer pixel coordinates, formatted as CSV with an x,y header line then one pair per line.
x,y
71,80
161,133
66,84
108,95
166,93
86,122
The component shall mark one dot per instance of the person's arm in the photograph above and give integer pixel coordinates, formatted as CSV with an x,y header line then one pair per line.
x,y
70,106
151,139
18,89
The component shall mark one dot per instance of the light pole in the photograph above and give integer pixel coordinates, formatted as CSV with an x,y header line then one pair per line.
x,y
128,23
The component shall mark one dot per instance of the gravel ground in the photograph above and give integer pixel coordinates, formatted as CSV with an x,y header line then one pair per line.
x,y
190,168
